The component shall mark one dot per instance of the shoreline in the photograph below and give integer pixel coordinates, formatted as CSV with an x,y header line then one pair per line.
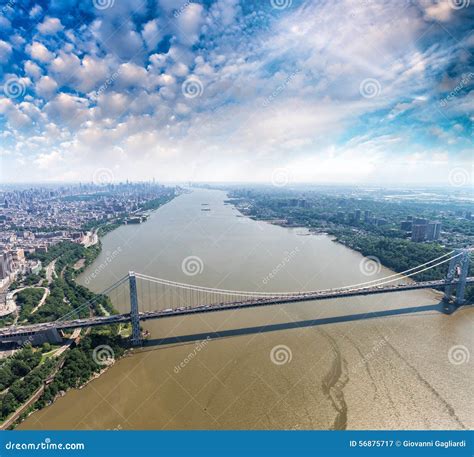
x,y
77,271
333,236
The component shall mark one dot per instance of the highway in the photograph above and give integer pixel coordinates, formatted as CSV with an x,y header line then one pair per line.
x,y
253,302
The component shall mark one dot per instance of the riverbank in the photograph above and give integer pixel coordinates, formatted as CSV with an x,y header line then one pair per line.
x,y
80,361
390,251
394,363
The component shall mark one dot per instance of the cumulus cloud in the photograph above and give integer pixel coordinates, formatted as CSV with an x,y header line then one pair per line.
x,y
68,109
46,87
5,51
35,11
151,34
189,23
39,52
50,26
32,69
438,11
330,90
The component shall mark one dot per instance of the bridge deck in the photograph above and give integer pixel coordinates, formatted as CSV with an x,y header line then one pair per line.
x,y
9,332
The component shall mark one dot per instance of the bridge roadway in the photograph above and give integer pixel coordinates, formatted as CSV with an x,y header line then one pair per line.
x,y
13,331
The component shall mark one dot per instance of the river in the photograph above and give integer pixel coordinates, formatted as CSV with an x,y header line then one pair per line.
x,y
390,372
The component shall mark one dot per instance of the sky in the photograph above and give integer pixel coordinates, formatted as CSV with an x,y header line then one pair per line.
x,y
275,91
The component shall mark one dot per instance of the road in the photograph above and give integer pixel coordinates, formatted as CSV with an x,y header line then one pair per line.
x,y
13,331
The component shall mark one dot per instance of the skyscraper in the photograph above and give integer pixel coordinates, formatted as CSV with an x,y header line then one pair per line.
x,y
433,230
418,232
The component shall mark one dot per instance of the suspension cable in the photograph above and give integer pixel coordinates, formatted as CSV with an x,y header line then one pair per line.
x,y
248,293
93,300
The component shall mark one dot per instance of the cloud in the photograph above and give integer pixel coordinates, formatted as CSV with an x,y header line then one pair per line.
x,y
68,109
39,52
189,23
50,26
438,11
5,51
32,69
151,34
5,24
35,11
46,87
275,88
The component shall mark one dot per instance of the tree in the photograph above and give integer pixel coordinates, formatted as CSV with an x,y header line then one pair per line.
x,y
20,368
9,404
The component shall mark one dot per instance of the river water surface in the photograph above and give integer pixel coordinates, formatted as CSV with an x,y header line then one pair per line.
x,y
392,371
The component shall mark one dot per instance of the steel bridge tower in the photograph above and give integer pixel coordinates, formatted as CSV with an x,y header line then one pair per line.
x,y
134,314
457,269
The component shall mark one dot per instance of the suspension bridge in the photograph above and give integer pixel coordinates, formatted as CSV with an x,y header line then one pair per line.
x,y
155,298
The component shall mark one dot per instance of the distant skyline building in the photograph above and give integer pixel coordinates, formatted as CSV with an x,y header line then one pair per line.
x,y
420,221
5,264
418,232
433,230
406,226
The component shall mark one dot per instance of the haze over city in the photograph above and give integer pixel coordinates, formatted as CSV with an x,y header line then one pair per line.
x,y
299,91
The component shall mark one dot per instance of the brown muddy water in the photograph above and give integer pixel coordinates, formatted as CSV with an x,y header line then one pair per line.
x,y
400,371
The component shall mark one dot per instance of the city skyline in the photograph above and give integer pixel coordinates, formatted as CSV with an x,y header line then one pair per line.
x,y
273,92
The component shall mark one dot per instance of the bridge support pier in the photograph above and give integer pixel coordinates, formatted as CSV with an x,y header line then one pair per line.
x,y
458,267
134,314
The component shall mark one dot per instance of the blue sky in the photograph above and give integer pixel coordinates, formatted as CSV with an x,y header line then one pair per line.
x,y
350,91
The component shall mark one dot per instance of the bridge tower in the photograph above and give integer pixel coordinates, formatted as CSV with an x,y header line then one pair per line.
x,y
134,314
458,269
